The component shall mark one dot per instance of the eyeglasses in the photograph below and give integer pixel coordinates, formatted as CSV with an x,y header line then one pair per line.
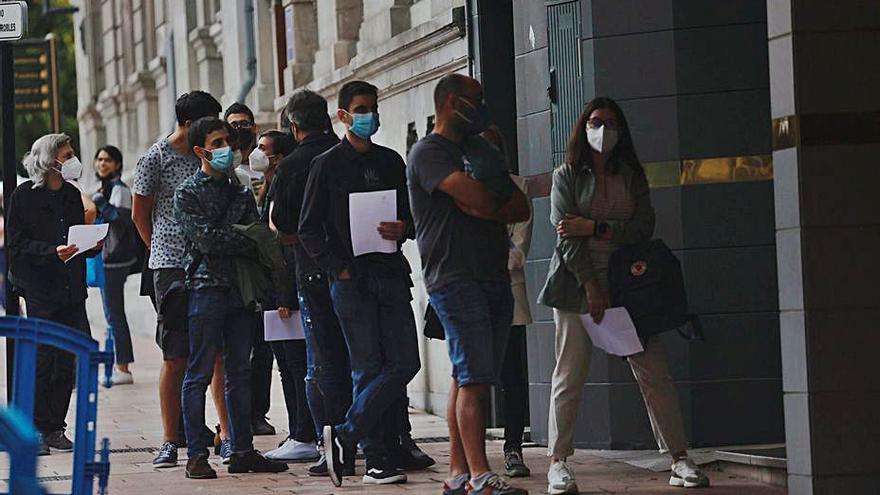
x,y
596,123
241,124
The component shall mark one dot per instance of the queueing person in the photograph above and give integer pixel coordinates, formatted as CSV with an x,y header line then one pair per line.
x,y
514,379
463,242
600,200
326,368
371,292
301,442
44,270
241,118
120,254
206,206
159,172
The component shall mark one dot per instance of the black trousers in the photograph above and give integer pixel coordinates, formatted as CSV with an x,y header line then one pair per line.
x,y
261,371
515,388
291,356
56,369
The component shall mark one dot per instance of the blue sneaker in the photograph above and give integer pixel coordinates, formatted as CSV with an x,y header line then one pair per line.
x,y
224,450
167,457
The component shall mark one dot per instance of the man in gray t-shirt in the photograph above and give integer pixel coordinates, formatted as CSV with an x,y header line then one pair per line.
x,y
162,168
461,228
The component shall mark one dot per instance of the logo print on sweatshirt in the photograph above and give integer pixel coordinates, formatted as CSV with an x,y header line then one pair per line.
x,y
371,178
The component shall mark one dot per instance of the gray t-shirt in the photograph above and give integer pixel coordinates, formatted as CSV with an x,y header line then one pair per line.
x,y
158,174
454,246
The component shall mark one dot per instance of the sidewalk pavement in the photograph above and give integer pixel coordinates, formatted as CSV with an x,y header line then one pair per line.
x,y
129,416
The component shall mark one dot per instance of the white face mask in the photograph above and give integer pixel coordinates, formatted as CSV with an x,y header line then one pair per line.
x,y
236,159
258,160
602,139
71,169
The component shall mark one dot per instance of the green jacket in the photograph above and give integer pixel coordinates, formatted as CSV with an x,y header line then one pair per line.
x,y
262,276
571,266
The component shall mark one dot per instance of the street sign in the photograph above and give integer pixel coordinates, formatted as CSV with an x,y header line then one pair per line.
x,y
13,20
36,77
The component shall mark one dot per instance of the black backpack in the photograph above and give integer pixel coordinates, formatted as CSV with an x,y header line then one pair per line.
x,y
646,279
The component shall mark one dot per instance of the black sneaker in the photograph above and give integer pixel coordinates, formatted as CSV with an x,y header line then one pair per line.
x,y
254,462
43,449
262,427
514,466
199,469
337,455
411,458
58,440
319,468
167,457
377,474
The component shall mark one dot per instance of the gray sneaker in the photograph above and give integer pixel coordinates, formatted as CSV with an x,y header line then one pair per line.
x,y
495,485
514,466
58,440
686,474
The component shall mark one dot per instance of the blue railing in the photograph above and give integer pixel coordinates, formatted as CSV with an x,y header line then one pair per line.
x,y
28,334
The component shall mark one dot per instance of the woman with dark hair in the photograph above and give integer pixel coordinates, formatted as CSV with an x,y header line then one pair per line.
x,y
599,201
120,254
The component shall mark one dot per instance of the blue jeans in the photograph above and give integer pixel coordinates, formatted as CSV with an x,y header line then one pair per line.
x,y
328,374
113,299
218,322
380,331
476,317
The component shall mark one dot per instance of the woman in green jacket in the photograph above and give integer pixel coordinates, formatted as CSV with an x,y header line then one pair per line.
x,y
600,200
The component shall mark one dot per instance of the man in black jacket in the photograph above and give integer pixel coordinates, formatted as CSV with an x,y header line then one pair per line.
x,y
325,359
43,268
370,292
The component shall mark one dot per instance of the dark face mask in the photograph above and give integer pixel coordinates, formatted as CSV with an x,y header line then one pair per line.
x,y
474,118
245,138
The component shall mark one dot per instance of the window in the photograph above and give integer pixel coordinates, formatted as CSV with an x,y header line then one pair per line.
x,y
411,136
430,126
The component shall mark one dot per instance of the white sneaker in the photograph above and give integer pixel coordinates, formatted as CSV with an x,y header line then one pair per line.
x,y
121,377
560,479
686,474
293,451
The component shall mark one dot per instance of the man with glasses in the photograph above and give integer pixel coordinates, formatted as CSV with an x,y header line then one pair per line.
x,y
241,118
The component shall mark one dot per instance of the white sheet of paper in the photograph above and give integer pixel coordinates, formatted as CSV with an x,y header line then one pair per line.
x,y
616,334
277,328
366,211
86,237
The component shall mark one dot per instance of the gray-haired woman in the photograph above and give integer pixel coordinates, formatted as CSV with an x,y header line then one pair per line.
x,y
44,270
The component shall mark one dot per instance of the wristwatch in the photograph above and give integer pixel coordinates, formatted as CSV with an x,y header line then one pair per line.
x,y
601,228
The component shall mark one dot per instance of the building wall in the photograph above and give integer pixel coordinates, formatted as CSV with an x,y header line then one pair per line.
x,y
693,81
134,57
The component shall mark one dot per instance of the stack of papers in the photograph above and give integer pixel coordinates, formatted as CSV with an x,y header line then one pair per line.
x,y
366,211
86,237
616,334
276,328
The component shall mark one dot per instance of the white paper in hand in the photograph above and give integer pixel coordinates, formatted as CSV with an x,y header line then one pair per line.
x,y
366,211
86,237
616,334
277,328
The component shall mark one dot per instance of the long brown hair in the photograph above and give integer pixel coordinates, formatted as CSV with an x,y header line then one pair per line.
x,y
578,153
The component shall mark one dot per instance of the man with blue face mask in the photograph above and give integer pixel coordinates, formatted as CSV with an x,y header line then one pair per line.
x,y
370,292
206,206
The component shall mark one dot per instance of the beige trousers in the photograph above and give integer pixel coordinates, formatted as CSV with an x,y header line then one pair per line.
x,y
573,351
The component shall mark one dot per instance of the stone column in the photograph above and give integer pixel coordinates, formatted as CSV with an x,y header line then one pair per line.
x,y
824,75
383,20
338,42
209,62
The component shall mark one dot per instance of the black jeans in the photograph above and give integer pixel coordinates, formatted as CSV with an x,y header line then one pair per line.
x,y
56,369
113,296
515,388
291,356
261,372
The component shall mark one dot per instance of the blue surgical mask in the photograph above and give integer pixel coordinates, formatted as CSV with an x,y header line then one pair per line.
x,y
222,159
364,125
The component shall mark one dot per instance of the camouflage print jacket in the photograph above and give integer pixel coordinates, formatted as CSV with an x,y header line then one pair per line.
x,y
206,208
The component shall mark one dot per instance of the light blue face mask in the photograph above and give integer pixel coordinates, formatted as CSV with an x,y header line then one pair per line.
x,y
364,125
221,159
